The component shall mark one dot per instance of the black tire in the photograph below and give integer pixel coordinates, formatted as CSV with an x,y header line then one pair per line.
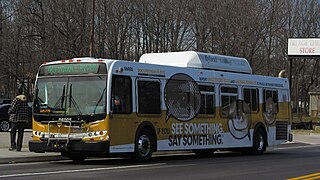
x,y
76,158
144,146
4,125
203,152
259,142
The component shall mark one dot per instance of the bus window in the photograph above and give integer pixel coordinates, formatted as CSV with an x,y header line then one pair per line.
x,y
228,98
207,100
149,97
270,101
251,98
121,101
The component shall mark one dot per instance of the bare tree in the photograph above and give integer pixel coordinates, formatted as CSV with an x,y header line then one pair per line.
x,y
34,31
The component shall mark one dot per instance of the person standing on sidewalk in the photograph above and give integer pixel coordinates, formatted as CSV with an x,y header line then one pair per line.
x,y
18,116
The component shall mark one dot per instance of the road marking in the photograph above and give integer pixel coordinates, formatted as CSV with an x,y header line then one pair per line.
x,y
80,170
307,177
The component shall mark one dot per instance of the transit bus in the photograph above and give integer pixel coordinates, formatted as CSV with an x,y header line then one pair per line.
x,y
167,101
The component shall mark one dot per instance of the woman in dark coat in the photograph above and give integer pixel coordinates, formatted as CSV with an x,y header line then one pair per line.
x,y
18,113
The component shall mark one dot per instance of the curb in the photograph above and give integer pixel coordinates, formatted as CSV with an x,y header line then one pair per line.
x,y
306,134
13,160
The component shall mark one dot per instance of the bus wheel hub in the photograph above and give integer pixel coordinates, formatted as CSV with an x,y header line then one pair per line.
x,y
144,145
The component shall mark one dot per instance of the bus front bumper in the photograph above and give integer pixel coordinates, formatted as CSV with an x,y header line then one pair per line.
x,y
74,146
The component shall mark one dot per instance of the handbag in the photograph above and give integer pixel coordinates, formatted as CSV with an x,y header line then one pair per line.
x,y
12,118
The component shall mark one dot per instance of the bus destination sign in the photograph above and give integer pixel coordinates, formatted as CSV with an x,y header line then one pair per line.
x,y
72,69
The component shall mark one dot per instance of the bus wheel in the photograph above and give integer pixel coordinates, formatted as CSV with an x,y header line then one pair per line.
x,y
144,146
259,142
76,158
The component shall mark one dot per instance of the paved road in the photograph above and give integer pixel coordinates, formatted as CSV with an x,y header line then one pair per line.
x,y
290,160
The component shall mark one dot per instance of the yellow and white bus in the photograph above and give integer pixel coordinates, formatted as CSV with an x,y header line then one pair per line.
x,y
166,101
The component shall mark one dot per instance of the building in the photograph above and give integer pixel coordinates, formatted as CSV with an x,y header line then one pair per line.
x,y
314,105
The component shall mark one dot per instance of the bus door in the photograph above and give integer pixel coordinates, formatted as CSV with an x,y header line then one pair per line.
x,y
121,120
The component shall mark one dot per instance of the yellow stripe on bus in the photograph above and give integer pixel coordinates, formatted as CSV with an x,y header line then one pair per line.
x,y
307,177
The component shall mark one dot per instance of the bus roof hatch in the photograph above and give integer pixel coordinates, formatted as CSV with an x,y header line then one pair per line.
x,y
192,59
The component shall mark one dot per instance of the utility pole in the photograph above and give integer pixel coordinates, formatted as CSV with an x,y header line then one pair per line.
x,y
92,28
290,73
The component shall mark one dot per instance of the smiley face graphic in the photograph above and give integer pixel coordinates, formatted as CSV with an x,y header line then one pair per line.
x,y
239,122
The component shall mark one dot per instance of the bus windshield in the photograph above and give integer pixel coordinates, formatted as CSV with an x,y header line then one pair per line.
x,y
70,96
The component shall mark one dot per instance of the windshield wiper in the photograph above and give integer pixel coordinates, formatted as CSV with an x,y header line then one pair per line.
x,y
59,104
72,101
101,96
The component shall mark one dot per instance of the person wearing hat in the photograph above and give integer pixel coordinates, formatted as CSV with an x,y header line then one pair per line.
x,y
116,105
18,116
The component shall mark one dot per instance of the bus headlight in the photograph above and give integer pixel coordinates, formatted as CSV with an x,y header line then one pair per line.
x,y
95,134
38,134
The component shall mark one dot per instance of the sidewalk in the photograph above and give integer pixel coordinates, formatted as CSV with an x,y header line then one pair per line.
x,y
7,156
25,155
308,139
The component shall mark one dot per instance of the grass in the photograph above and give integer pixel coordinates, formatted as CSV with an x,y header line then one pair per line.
x,y
316,129
306,119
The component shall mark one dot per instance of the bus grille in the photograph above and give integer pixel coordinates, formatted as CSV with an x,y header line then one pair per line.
x,y
281,130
